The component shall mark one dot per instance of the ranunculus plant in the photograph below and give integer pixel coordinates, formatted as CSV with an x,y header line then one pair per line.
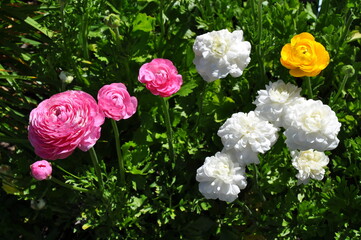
x,y
161,78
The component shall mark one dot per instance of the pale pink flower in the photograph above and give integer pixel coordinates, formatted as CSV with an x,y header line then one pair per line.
x,y
64,122
161,77
41,170
115,101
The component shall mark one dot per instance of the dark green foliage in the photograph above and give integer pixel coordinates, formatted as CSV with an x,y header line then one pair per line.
x,y
100,42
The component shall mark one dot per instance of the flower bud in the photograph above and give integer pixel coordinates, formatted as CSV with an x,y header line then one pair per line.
x,y
348,70
112,20
66,77
41,170
37,204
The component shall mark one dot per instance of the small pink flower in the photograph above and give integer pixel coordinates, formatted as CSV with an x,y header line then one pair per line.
x,y
161,77
64,122
41,170
115,101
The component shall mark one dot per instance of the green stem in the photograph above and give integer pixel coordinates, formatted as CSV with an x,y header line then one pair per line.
x,y
259,21
162,29
258,49
117,37
84,31
260,57
95,161
62,169
169,128
309,87
340,89
242,204
255,176
200,103
57,181
119,153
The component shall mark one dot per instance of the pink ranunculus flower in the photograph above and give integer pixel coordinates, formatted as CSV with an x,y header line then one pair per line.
x,y
41,170
161,77
115,101
64,122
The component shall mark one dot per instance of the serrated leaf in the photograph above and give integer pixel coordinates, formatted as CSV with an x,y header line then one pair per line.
x,y
187,88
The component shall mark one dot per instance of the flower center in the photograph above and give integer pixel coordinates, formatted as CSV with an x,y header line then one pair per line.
x,y
222,171
303,53
161,76
219,47
279,94
60,113
313,122
248,127
117,100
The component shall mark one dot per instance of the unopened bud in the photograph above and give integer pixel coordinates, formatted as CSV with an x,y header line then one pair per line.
x,y
112,20
37,204
348,70
66,77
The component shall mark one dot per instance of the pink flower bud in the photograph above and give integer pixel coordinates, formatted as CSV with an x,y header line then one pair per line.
x,y
41,170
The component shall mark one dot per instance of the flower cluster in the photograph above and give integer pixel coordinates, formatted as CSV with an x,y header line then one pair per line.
x,y
73,119
310,128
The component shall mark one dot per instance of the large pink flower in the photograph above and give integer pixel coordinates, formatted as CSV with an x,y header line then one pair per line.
x,y
41,170
64,122
115,101
161,77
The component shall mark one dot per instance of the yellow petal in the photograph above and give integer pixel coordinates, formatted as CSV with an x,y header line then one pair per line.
x,y
297,72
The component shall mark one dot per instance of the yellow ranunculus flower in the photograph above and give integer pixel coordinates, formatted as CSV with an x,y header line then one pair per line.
x,y
304,56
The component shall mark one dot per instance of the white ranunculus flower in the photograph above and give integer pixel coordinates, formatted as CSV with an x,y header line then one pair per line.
x,y
272,102
219,53
244,133
311,125
310,164
220,177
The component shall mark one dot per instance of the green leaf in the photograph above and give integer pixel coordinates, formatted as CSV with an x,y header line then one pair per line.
x,y
187,88
143,22
42,29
